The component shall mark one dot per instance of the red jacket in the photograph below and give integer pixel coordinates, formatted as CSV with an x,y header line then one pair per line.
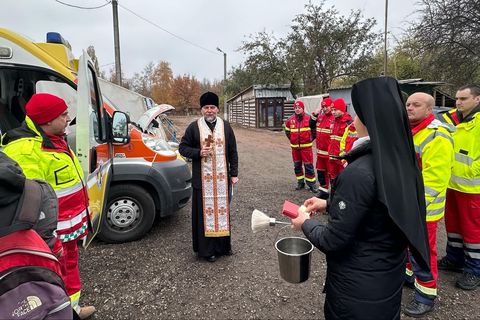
x,y
338,129
299,131
323,124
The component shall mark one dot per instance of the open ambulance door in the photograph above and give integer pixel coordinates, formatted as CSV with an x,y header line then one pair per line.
x,y
92,147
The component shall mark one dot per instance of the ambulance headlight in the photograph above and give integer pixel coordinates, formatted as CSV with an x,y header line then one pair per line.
x,y
158,145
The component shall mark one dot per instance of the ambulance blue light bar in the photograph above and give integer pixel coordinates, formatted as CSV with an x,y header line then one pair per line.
x,y
55,37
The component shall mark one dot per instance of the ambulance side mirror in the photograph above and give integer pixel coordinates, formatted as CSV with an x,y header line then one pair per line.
x,y
119,128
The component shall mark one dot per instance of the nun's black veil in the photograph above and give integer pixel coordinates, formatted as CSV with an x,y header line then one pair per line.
x,y
378,104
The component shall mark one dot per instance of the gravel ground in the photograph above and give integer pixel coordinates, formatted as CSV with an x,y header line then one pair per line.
x,y
159,277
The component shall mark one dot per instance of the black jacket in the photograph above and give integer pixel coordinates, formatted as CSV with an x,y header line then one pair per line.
x,y
190,148
365,250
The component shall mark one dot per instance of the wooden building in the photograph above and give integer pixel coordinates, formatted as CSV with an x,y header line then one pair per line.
x,y
261,106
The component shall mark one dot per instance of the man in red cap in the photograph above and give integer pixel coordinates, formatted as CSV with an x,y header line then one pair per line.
x,y
40,148
322,120
342,120
297,128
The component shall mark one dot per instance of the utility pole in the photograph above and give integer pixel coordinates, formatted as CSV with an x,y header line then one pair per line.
x,y
385,54
225,112
116,40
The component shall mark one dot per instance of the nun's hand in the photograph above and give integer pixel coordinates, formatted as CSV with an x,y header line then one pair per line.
x,y
315,204
299,220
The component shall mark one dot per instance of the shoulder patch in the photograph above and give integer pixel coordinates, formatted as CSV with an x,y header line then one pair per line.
x,y
342,205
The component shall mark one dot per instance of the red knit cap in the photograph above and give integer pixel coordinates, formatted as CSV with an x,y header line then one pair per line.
x,y
339,104
299,103
44,107
327,102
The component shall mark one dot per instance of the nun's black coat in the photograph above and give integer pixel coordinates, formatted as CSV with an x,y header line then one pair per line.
x,y
365,249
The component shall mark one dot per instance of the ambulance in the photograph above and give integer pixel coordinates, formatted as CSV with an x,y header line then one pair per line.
x,y
126,194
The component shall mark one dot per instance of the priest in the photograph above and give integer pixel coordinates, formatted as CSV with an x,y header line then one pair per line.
x,y
210,143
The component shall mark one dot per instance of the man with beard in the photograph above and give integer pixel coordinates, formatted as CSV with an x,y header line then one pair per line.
x,y
40,148
376,210
210,143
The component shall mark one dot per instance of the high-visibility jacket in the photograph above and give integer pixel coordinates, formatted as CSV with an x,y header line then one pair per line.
x,y
31,150
349,137
338,129
323,125
434,149
299,131
466,167
450,117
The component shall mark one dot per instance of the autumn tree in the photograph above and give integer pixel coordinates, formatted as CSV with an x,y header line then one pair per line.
x,y
448,34
185,91
162,81
317,51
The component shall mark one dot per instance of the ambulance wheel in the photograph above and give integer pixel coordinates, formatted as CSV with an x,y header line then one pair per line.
x,y
130,214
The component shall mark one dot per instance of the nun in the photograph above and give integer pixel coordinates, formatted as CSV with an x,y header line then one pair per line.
x,y
376,210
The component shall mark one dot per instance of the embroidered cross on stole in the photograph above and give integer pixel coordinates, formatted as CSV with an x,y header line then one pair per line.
x,y
216,211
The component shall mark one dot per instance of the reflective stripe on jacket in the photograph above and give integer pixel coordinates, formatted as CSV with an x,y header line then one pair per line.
x,y
466,167
299,132
349,137
434,148
323,126
338,129
62,171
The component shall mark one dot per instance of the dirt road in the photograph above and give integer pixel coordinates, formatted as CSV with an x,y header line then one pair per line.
x,y
159,277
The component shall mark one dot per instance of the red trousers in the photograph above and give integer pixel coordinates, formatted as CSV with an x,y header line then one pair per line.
x,y
334,168
426,281
462,221
70,271
322,171
304,156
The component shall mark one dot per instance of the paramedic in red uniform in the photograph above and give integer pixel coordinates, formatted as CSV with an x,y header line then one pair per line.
x,y
322,122
40,148
342,120
297,128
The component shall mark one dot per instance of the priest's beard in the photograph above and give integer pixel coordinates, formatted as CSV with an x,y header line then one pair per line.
x,y
210,119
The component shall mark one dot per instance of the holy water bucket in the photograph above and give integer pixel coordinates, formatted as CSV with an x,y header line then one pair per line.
x,y
294,255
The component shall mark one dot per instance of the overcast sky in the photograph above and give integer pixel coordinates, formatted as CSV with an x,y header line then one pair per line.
x,y
205,23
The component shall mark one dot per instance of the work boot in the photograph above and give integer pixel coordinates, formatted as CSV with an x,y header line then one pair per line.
x,y
322,194
468,281
86,312
446,265
417,309
314,189
300,186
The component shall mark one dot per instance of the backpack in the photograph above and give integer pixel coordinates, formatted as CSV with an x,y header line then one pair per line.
x,y
31,285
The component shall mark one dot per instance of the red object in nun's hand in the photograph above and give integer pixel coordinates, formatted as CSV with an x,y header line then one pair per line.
x,y
290,209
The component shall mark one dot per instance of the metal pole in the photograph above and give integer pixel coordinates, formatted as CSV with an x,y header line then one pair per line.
x,y
116,40
385,41
225,111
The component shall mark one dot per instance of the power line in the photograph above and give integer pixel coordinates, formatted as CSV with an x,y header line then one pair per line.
x,y
79,7
165,30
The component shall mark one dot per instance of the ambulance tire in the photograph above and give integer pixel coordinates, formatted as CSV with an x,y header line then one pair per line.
x,y
129,215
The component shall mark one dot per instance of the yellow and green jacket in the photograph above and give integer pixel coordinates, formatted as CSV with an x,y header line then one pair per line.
x,y
434,149
34,152
466,167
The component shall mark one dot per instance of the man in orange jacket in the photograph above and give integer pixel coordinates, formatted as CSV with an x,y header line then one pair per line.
x,y
297,128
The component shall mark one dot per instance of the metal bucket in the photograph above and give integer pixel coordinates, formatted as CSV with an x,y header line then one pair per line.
x,y
294,255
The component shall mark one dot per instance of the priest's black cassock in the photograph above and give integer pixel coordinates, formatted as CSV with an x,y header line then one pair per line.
x,y
190,147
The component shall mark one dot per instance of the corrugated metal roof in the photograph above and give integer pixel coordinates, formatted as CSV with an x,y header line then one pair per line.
x,y
274,93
